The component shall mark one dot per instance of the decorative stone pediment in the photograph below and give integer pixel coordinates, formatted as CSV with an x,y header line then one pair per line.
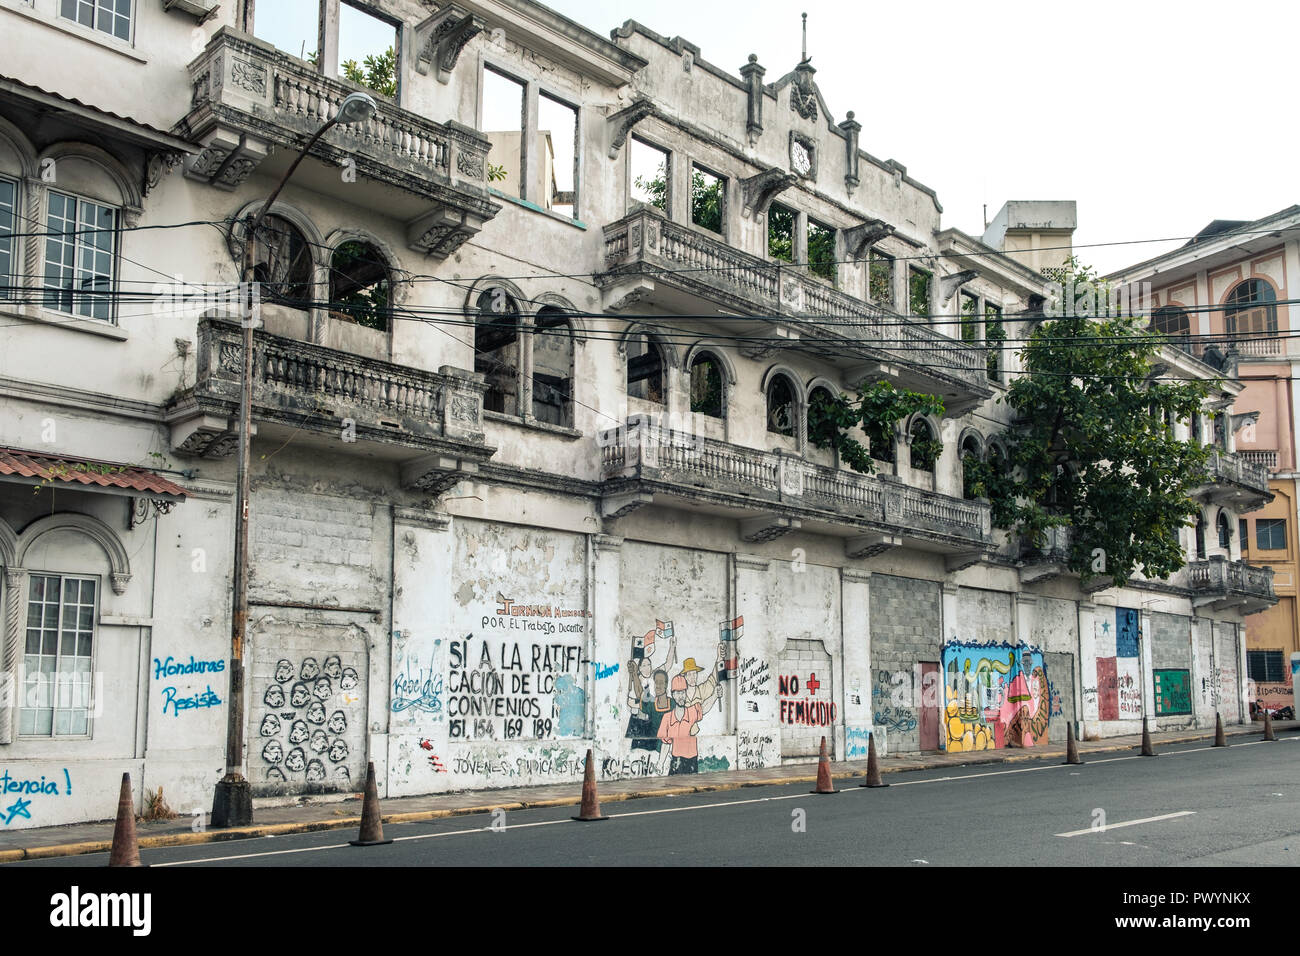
x,y
759,190
859,239
620,124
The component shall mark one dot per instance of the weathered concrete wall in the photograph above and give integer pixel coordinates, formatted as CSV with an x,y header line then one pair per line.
x,y
906,628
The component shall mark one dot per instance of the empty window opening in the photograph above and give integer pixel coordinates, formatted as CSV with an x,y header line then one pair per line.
x,y
557,137
368,50
360,288
282,264
880,281
708,192
925,447
503,125
918,292
496,350
780,406
706,386
553,368
649,174
645,369
970,317
780,232
821,250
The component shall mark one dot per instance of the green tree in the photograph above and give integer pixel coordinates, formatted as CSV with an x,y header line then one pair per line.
x,y
1091,449
821,251
877,411
656,187
379,72
706,201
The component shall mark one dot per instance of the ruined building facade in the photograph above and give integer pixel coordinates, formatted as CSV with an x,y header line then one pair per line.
x,y
533,467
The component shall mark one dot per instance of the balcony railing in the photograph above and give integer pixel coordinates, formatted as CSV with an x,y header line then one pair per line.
x,y
249,98
1219,579
404,413
644,243
1227,467
761,481
1260,459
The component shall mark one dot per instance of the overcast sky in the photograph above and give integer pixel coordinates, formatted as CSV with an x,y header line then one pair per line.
x,y
1156,117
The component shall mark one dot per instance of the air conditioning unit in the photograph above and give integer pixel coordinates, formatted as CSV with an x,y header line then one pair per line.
x,y
195,8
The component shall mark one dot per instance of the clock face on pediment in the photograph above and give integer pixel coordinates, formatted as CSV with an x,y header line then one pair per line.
x,y
800,158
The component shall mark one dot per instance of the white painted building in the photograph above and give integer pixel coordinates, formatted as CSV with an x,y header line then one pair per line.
x,y
532,470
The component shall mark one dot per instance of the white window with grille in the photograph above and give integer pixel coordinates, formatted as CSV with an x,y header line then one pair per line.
x,y
57,661
80,256
107,16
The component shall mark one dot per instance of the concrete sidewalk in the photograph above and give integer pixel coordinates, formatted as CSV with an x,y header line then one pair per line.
x,y
324,814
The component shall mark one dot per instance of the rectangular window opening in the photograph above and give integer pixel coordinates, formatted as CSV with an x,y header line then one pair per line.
x,y
918,292
994,336
708,198
557,135
1266,666
780,232
290,25
880,278
368,50
503,124
649,174
821,250
970,317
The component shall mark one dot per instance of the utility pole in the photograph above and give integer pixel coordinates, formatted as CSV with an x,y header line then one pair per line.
x,y
232,803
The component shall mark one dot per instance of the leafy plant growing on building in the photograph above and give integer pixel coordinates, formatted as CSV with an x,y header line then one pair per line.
x,y
1091,447
876,412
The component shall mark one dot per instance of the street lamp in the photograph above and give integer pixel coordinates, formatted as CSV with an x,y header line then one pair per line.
x,y
232,803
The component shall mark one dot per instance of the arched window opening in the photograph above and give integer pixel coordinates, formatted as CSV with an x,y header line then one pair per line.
x,y
496,350
1251,312
1200,536
645,369
1225,532
925,447
282,264
706,385
553,368
360,285
780,406
1197,435
970,457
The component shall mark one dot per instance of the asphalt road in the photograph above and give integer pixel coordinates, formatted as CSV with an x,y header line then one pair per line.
x,y
1193,805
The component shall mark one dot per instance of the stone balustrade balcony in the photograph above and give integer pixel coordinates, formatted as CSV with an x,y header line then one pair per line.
x,y
255,106
1221,584
773,493
1234,482
429,423
651,259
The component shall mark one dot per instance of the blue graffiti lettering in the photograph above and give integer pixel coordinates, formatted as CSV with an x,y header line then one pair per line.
x,y
423,694
603,671
177,704
171,667
42,786
856,741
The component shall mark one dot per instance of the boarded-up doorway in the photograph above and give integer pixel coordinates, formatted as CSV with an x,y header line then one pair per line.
x,y
806,701
929,709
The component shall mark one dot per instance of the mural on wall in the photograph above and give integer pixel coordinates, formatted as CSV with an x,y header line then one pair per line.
x,y
1119,678
520,677
665,709
997,695
310,732
1173,691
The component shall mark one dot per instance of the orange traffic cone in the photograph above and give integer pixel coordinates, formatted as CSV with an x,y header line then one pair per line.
x,y
824,784
1268,725
590,809
1220,739
372,827
1146,740
1071,748
873,765
125,851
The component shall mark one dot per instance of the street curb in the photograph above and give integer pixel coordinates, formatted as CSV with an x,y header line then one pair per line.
x,y
422,816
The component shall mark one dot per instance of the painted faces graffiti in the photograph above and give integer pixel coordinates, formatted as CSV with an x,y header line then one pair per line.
x,y
310,670
319,742
322,689
299,695
273,752
316,713
283,671
333,667
298,732
315,771
296,761
338,751
274,696
349,679
338,722
304,733
270,726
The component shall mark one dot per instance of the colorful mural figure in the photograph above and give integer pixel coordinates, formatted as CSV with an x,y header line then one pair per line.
x,y
647,696
994,699
665,712
679,728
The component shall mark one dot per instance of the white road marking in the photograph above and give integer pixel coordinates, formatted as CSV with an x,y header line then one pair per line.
x,y
703,806
1127,823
